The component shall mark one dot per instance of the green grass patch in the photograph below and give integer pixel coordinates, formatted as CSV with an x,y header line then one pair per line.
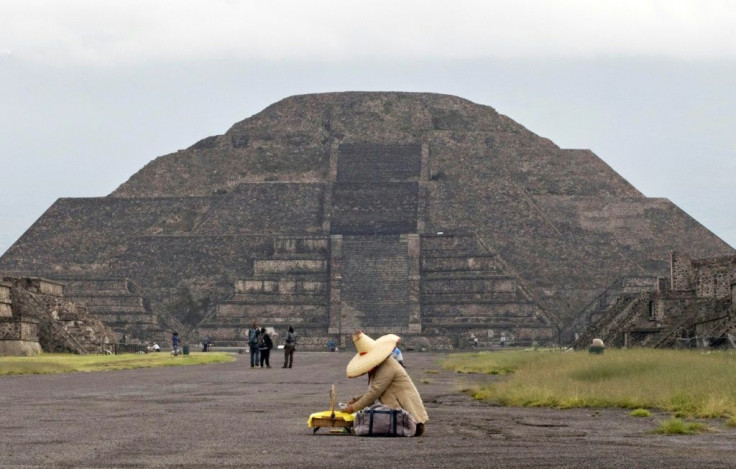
x,y
491,363
640,413
68,363
686,383
675,426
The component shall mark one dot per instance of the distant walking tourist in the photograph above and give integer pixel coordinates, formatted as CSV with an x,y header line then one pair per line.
x,y
175,343
264,346
206,343
253,345
289,347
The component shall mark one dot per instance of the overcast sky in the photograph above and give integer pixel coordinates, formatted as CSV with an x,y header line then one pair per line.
x,y
90,91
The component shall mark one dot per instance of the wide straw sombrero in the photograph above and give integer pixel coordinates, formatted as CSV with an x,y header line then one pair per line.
x,y
370,352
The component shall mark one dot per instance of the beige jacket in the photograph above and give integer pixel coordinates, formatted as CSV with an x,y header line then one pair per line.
x,y
391,385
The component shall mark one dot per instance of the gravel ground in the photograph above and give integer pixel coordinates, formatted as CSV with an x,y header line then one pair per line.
x,y
230,415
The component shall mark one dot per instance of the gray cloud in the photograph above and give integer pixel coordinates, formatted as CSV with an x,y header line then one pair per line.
x,y
105,33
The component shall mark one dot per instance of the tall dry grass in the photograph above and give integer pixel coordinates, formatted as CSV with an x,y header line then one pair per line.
x,y
68,363
688,383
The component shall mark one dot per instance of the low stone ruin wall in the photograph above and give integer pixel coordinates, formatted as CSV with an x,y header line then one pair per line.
x,y
19,337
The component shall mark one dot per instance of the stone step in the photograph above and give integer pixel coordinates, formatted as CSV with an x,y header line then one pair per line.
x,y
276,299
289,266
464,274
281,286
484,325
466,286
106,300
465,299
226,311
104,309
294,256
244,324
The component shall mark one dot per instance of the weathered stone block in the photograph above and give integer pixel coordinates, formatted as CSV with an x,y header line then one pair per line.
x,y
290,287
5,301
263,267
460,264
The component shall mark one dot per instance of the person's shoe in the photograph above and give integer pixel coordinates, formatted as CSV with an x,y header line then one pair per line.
x,y
420,429
289,366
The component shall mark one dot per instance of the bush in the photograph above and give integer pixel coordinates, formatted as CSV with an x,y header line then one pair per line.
x,y
675,426
640,413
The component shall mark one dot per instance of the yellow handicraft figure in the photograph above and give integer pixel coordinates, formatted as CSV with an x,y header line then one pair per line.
x,y
336,421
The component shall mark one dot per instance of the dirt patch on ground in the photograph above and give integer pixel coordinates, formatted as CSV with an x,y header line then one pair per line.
x,y
232,415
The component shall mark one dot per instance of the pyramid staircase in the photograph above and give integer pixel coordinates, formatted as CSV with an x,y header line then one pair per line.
x,y
289,286
465,286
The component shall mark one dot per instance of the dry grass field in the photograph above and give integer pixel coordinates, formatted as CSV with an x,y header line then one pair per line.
x,y
686,383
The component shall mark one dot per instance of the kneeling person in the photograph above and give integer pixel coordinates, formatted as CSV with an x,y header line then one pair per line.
x,y
389,383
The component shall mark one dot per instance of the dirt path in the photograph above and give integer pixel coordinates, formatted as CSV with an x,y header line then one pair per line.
x,y
232,415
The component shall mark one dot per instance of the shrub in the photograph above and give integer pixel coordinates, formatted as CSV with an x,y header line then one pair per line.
x,y
640,413
675,426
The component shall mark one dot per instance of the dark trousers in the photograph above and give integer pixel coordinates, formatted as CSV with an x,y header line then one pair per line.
x,y
264,357
288,355
254,355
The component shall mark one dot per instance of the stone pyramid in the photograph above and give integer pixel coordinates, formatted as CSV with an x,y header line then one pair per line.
x,y
420,214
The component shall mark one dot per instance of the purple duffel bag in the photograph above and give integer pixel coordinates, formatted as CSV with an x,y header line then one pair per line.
x,y
381,420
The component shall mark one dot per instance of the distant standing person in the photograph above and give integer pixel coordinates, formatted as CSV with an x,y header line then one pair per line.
x,y
398,356
289,347
253,345
175,343
265,345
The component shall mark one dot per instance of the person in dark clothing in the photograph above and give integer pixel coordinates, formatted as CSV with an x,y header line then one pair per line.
x,y
253,345
265,346
175,343
289,347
